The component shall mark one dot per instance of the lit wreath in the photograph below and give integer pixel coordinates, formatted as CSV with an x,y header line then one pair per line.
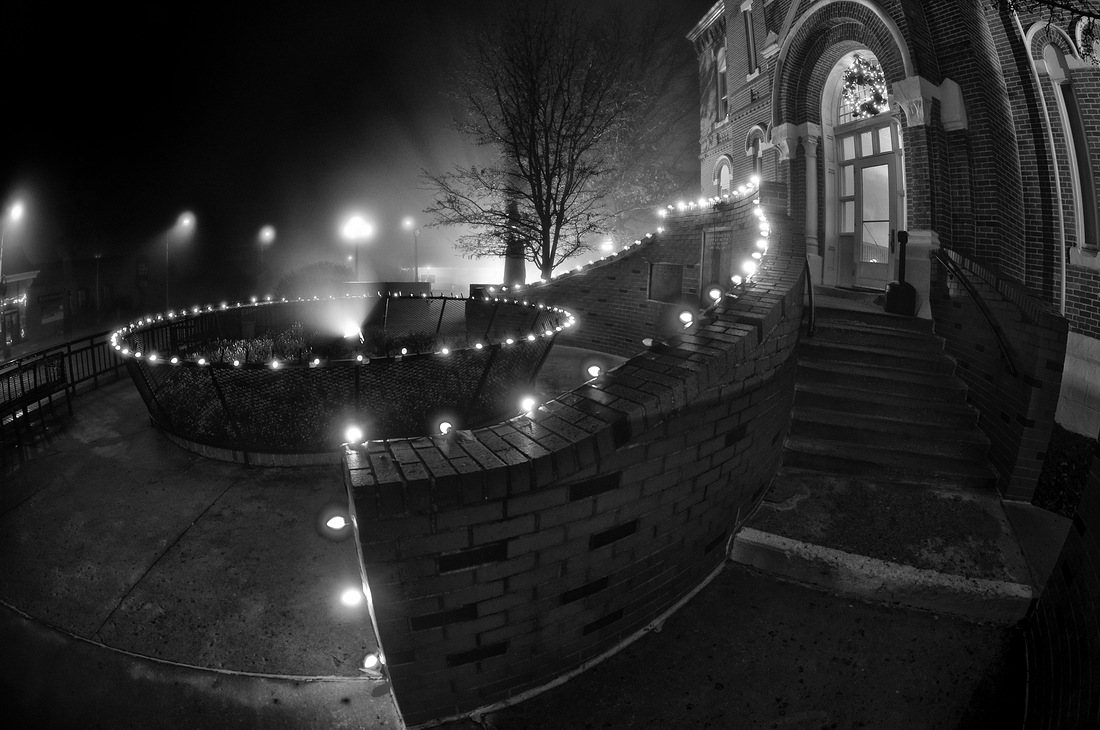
x,y
865,88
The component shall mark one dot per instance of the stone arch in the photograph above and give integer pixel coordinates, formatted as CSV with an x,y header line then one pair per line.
x,y
1043,34
820,37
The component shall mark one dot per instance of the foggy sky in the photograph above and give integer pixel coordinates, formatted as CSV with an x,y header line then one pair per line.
x,y
287,114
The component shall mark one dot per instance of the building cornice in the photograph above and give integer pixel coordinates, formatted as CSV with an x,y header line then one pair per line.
x,y
718,10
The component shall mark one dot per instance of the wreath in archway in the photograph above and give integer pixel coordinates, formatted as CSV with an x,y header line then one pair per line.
x,y
865,88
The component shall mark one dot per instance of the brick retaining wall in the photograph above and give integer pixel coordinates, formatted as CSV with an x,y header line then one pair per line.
x,y
501,559
1063,632
1016,411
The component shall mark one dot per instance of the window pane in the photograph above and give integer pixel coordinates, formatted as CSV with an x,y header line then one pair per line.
x,y
874,245
847,148
848,216
866,144
847,180
885,144
876,193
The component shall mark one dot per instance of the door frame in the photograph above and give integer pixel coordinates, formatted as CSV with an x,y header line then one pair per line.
x,y
838,266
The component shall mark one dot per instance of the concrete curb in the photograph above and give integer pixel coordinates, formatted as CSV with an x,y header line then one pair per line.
x,y
881,581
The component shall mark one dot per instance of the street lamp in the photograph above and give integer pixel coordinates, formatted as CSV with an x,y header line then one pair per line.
x,y
355,230
409,223
14,214
265,237
185,223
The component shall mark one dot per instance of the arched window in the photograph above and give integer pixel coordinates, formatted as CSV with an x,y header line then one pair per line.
x,y
864,92
754,148
721,84
1080,167
723,175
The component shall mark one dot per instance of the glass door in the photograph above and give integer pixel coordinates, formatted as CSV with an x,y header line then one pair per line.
x,y
868,202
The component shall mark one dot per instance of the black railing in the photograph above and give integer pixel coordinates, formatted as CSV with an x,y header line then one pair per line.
x,y
953,268
254,379
30,382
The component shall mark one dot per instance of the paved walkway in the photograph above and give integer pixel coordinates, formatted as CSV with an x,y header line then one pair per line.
x,y
144,586
144,561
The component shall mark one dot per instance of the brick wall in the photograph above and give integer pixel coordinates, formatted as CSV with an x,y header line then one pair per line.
x,y
1063,631
1016,410
503,558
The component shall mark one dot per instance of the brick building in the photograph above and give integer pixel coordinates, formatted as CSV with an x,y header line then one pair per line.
x,y
984,138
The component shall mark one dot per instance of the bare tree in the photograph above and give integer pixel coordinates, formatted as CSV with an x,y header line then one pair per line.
x,y
1064,13
554,98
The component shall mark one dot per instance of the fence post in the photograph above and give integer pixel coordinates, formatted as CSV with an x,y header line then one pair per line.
x,y
439,324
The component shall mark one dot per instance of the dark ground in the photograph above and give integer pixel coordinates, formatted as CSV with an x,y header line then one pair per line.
x,y
750,652
1065,467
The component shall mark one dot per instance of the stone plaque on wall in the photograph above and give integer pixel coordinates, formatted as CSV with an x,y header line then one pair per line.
x,y
717,258
666,282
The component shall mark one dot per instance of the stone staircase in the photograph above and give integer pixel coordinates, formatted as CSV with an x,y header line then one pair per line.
x,y
885,490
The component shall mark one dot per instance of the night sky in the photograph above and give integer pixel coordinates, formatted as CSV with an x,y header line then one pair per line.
x,y
290,115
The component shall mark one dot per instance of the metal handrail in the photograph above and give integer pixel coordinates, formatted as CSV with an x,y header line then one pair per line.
x,y
998,333
813,311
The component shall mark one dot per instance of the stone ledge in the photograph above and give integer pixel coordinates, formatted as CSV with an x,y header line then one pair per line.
x,y
881,581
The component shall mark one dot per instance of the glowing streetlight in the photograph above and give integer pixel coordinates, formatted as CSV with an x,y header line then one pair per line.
x,y
264,238
409,223
185,224
14,214
355,230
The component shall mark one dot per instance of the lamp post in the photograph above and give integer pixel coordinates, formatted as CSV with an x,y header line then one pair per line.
x,y
410,223
185,223
265,238
14,214
355,230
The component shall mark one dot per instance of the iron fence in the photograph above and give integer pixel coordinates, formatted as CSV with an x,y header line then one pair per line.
x,y
289,377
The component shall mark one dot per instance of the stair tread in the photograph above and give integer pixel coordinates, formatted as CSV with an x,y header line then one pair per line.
x,y
856,394
889,457
854,349
904,428
863,371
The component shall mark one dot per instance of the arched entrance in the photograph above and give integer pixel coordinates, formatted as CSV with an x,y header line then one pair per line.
x,y
864,175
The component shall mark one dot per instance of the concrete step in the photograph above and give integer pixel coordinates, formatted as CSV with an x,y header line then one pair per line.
x,y
867,316
857,401
876,380
960,443
943,550
933,361
888,465
864,334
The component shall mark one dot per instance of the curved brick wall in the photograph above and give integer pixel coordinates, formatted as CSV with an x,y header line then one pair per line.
x,y
501,559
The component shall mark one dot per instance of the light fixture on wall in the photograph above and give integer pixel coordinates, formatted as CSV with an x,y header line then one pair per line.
x,y
373,666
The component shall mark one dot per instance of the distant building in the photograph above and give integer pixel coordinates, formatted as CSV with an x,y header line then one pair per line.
x,y
969,127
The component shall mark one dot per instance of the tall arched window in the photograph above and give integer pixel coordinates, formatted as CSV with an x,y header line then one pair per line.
x,y
1080,167
721,84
